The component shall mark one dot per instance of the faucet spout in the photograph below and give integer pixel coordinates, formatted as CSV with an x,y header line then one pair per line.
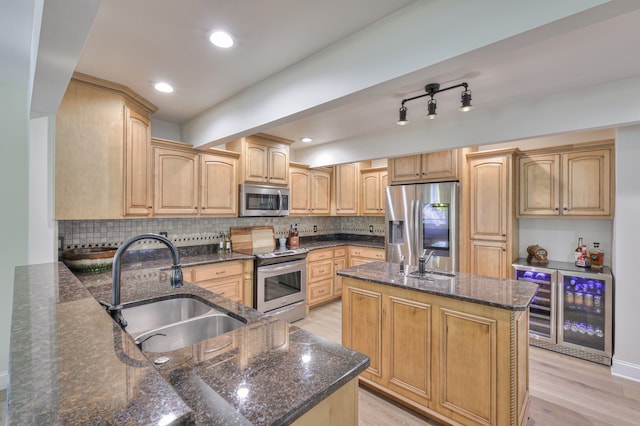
x,y
175,278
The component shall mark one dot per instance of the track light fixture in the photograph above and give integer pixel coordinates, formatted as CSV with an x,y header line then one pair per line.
x,y
430,90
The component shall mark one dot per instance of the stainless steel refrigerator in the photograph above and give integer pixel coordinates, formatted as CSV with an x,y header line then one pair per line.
x,y
423,216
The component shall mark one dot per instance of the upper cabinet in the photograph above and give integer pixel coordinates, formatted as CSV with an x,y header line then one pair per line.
x,y
194,183
570,183
373,186
431,167
310,190
263,159
347,177
102,151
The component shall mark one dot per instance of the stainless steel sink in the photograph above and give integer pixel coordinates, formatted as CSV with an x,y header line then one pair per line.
x,y
187,333
152,315
170,324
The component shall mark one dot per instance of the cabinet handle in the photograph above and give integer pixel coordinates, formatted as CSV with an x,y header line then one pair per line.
x,y
149,207
565,209
220,272
417,174
557,208
321,271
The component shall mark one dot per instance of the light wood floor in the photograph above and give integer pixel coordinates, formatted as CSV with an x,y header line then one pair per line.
x,y
565,391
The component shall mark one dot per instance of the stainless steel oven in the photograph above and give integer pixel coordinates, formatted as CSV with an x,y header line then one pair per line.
x,y
281,284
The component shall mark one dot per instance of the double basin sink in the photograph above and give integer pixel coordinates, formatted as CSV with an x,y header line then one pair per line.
x,y
175,323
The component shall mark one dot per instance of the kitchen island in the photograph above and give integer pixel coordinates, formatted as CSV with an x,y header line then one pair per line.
x,y
72,364
452,347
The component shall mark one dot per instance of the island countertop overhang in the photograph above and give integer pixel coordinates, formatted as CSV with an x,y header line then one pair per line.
x,y
496,292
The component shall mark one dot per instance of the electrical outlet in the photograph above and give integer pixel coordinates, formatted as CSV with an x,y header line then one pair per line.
x,y
315,228
163,234
370,228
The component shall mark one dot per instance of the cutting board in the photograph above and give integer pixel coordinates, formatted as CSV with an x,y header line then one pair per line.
x,y
248,239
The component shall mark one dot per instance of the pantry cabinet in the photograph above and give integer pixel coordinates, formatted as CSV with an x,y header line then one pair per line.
x,y
102,151
493,227
373,186
193,183
574,183
430,167
347,182
264,159
310,190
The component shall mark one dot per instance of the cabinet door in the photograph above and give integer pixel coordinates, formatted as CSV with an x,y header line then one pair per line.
x,y
361,327
441,165
347,181
539,189
370,193
176,182
278,165
489,258
299,186
586,180
320,192
338,263
219,185
384,182
405,169
256,160
489,186
137,159
409,359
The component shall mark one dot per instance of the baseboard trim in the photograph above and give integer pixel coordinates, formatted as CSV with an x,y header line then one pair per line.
x,y
4,379
625,370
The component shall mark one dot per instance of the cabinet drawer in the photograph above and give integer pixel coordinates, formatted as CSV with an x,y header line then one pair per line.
x,y
320,291
319,255
320,270
368,252
230,288
215,270
339,252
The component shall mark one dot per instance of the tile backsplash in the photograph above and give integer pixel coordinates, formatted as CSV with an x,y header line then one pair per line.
x,y
196,231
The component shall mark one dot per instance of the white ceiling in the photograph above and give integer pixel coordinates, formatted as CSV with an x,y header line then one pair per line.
x,y
137,43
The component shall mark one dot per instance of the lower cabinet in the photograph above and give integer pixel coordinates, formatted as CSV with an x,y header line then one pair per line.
x,y
338,409
454,361
322,283
232,279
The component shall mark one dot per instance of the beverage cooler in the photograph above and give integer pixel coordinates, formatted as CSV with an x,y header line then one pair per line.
x,y
572,311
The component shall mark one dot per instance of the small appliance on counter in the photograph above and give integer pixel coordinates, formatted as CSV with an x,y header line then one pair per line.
x,y
572,311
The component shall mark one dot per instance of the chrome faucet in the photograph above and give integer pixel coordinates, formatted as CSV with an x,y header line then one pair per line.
x,y
422,260
176,273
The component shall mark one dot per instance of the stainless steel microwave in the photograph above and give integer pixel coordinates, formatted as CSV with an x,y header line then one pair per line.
x,y
263,200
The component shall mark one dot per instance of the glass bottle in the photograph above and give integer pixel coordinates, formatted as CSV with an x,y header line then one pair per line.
x,y
579,254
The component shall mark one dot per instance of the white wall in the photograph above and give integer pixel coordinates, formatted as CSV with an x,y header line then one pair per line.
x,y
166,130
626,360
42,247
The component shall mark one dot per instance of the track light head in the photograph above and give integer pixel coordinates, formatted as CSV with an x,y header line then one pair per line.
x,y
431,109
403,116
465,101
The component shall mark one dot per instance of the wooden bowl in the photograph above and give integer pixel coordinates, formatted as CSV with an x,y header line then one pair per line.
x,y
93,259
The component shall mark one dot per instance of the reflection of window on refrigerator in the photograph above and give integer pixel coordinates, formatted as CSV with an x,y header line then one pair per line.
x,y
435,227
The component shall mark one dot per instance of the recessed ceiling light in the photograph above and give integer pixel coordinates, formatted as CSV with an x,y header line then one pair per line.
x,y
306,139
221,39
163,87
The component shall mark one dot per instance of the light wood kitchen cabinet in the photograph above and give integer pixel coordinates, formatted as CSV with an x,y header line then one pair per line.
x,y
193,183
362,255
227,278
456,361
310,190
373,185
576,183
101,162
492,213
322,283
263,159
429,167
347,182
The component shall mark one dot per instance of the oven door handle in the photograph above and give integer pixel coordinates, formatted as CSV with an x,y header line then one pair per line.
x,y
279,267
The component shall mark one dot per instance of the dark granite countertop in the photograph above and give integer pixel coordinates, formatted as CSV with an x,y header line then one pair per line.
x,y
71,364
506,294
562,266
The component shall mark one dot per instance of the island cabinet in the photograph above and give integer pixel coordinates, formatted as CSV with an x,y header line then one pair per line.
x,y
194,183
575,182
362,255
231,279
323,284
264,159
456,361
430,167
493,227
102,151
310,190
373,185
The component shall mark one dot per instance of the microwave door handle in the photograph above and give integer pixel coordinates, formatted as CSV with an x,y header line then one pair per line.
x,y
279,201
